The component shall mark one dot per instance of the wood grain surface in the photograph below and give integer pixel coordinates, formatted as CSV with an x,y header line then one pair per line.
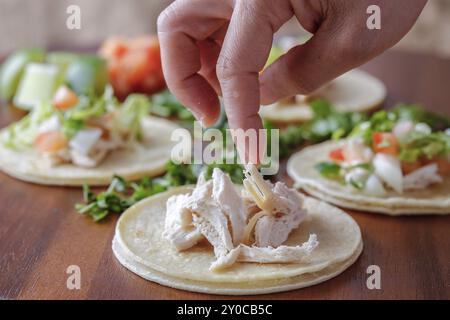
x,y
41,235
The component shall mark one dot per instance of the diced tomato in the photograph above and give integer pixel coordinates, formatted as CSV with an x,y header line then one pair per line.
x,y
65,98
385,142
51,141
120,50
337,154
134,65
408,167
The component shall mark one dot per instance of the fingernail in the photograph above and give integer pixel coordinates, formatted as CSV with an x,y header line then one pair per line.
x,y
199,117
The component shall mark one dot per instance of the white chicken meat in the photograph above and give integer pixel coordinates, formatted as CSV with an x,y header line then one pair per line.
x,y
224,193
216,211
422,178
179,228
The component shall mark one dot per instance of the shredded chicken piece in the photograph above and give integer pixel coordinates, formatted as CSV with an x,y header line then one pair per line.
x,y
179,228
273,230
217,212
224,193
209,218
282,205
280,254
251,225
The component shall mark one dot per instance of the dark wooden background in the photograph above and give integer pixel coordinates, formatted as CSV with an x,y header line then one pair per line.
x,y
41,235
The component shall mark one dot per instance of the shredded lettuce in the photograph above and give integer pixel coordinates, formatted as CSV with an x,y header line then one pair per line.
x,y
70,127
87,109
385,120
326,123
21,134
419,144
128,117
417,113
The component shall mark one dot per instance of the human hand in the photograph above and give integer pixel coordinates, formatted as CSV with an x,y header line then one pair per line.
x,y
218,47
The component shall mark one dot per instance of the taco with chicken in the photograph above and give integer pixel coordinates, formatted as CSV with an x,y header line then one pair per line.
x,y
219,238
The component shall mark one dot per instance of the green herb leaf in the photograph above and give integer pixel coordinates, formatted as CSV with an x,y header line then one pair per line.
x,y
120,194
329,170
418,144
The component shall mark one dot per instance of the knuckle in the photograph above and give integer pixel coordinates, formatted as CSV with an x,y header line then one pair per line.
x,y
226,67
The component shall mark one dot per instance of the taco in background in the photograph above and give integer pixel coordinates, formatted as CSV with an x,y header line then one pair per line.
x,y
77,139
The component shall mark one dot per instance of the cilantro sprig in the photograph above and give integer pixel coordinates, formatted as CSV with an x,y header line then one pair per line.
x,y
385,120
122,194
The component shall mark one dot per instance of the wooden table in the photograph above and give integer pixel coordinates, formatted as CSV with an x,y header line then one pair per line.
x,y
41,235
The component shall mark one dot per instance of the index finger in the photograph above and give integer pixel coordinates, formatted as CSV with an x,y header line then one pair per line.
x,y
244,53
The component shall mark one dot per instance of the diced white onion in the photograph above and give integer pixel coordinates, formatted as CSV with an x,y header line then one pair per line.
x,y
402,128
388,169
51,124
374,187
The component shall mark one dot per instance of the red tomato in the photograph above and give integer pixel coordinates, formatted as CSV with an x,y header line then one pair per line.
x,y
337,154
51,141
385,142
